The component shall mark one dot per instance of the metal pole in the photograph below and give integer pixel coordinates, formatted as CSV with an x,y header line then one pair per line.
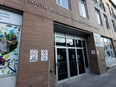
x,y
48,73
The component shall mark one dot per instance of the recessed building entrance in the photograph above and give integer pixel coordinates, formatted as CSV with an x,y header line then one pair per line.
x,y
70,56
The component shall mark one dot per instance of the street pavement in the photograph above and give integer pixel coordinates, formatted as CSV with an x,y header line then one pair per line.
x,y
107,79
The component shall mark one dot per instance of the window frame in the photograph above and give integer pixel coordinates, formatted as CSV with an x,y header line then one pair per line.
x,y
85,8
100,4
59,2
114,25
108,8
98,15
106,21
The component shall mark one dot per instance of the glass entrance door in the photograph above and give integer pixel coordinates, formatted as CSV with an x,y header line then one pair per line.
x,y
69,62
61,64
72,62
70,56
81,63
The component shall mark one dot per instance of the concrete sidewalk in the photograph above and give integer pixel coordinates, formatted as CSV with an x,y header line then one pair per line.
x,y
107,79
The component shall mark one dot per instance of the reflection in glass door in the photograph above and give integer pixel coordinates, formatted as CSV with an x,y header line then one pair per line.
x,y
61,64
72,62
80,61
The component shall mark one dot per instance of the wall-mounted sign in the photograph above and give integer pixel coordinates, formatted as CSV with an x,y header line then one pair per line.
x,y
97,39
33,55
97,52
10,17
92,51
44,55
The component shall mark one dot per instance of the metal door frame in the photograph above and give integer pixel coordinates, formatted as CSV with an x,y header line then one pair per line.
x,y
67,58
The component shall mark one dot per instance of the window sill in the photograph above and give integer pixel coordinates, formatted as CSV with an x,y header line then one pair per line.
x,y
64,7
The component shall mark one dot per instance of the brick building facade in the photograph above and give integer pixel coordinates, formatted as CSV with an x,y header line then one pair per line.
x,y
79,36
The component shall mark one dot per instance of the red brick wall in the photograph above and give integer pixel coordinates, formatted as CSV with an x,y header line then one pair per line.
x,y
37,33
89,24
101,59
93,60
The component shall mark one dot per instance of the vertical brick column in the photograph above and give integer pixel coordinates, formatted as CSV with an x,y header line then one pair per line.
x,y
93,61
96,56
37,33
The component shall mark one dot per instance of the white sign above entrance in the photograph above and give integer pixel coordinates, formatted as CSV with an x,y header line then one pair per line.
x,y
44,55
97,39
33,55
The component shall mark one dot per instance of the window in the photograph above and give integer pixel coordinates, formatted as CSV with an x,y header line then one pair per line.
x,y
103,7
100,4
98,16
109,51
64,3
70,42
96,1
83,8
112,13
114,26
108,8
60,41
106,21
108,47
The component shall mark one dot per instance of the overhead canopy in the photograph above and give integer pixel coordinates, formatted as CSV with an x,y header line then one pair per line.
x,y
62,28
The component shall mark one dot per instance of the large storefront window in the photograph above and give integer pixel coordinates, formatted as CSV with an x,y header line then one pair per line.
x,y
10,33
109,52
108,48
9,46
10,29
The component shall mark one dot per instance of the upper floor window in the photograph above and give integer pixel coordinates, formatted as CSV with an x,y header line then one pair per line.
x,y
100,4
96,2
64,3
108,8
98,15
114,26
103,7
112,13
106,21
83,8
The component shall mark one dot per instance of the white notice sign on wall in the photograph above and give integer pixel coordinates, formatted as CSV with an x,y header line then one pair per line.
x,y
33,55
97,39
44,55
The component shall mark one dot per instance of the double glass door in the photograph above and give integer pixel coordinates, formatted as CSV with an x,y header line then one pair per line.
x,y
69,62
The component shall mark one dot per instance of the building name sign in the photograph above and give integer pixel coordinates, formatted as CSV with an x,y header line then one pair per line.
x,y
40,5
48,8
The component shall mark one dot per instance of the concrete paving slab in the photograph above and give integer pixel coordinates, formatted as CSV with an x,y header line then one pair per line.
x,y
107,79
112,81
105,85
88,84
100,79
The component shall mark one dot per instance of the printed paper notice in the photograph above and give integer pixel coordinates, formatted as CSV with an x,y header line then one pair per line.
x,y
33,55
44,55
